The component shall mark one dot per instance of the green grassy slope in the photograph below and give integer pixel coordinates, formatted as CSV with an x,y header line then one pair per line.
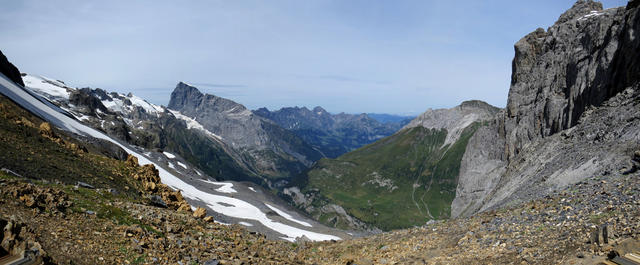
x,y
24,150
400,181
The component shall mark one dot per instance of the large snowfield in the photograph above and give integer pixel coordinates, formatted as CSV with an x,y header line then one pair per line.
x,y
228,206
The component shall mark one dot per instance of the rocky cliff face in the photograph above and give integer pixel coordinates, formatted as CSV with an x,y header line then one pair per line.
x,y
263,146
566,79
9,70
332,134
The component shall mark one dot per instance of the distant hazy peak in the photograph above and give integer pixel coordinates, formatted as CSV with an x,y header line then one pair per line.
x,y
319,110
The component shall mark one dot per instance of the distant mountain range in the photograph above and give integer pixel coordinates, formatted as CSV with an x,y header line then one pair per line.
x,y
333,134
390,118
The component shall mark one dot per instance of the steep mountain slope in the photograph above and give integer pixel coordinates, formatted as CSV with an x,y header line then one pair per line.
x,y
135,121
230,202
400,181
571,112
263,146
65,200
332,134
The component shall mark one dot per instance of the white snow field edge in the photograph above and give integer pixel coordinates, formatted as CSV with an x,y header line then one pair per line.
x,y
240,209
287,216
46,85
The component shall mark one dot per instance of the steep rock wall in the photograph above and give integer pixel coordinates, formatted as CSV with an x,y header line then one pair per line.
x,y
587,57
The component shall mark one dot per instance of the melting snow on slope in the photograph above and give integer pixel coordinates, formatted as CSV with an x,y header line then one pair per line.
x,y
591,14
240,209
252,189
115,105
245,224
193,124
46,85
172,166
226,187
287,216
148,107
182,165
169,155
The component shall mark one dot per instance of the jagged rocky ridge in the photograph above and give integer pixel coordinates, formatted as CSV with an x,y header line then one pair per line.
x,y
332,134
133,120
571,112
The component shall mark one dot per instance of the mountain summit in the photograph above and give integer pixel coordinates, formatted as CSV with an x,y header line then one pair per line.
x,y
263,146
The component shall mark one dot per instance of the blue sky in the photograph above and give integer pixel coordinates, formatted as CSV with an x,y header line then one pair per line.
x,y
352,56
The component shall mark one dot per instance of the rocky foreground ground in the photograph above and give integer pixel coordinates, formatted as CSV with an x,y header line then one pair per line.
x,y
75,225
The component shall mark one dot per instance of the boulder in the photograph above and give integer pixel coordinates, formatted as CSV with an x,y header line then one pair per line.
x,y
132,161
200,212
157,201
46,130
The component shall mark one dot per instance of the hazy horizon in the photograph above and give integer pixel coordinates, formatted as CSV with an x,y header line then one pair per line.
x,y
400,57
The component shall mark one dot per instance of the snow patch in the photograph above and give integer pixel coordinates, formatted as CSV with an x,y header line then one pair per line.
x,y
591,15
193,124
245,224
182,165
169,155
148,107
114,104
252,189
47,86
287,216
226,187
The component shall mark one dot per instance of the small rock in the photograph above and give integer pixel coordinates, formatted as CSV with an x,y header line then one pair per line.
x,y
212,262
157,201
84,185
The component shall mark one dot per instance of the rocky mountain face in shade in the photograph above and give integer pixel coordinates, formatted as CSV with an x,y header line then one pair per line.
x,y
332,134
9,70
263,146
571,111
